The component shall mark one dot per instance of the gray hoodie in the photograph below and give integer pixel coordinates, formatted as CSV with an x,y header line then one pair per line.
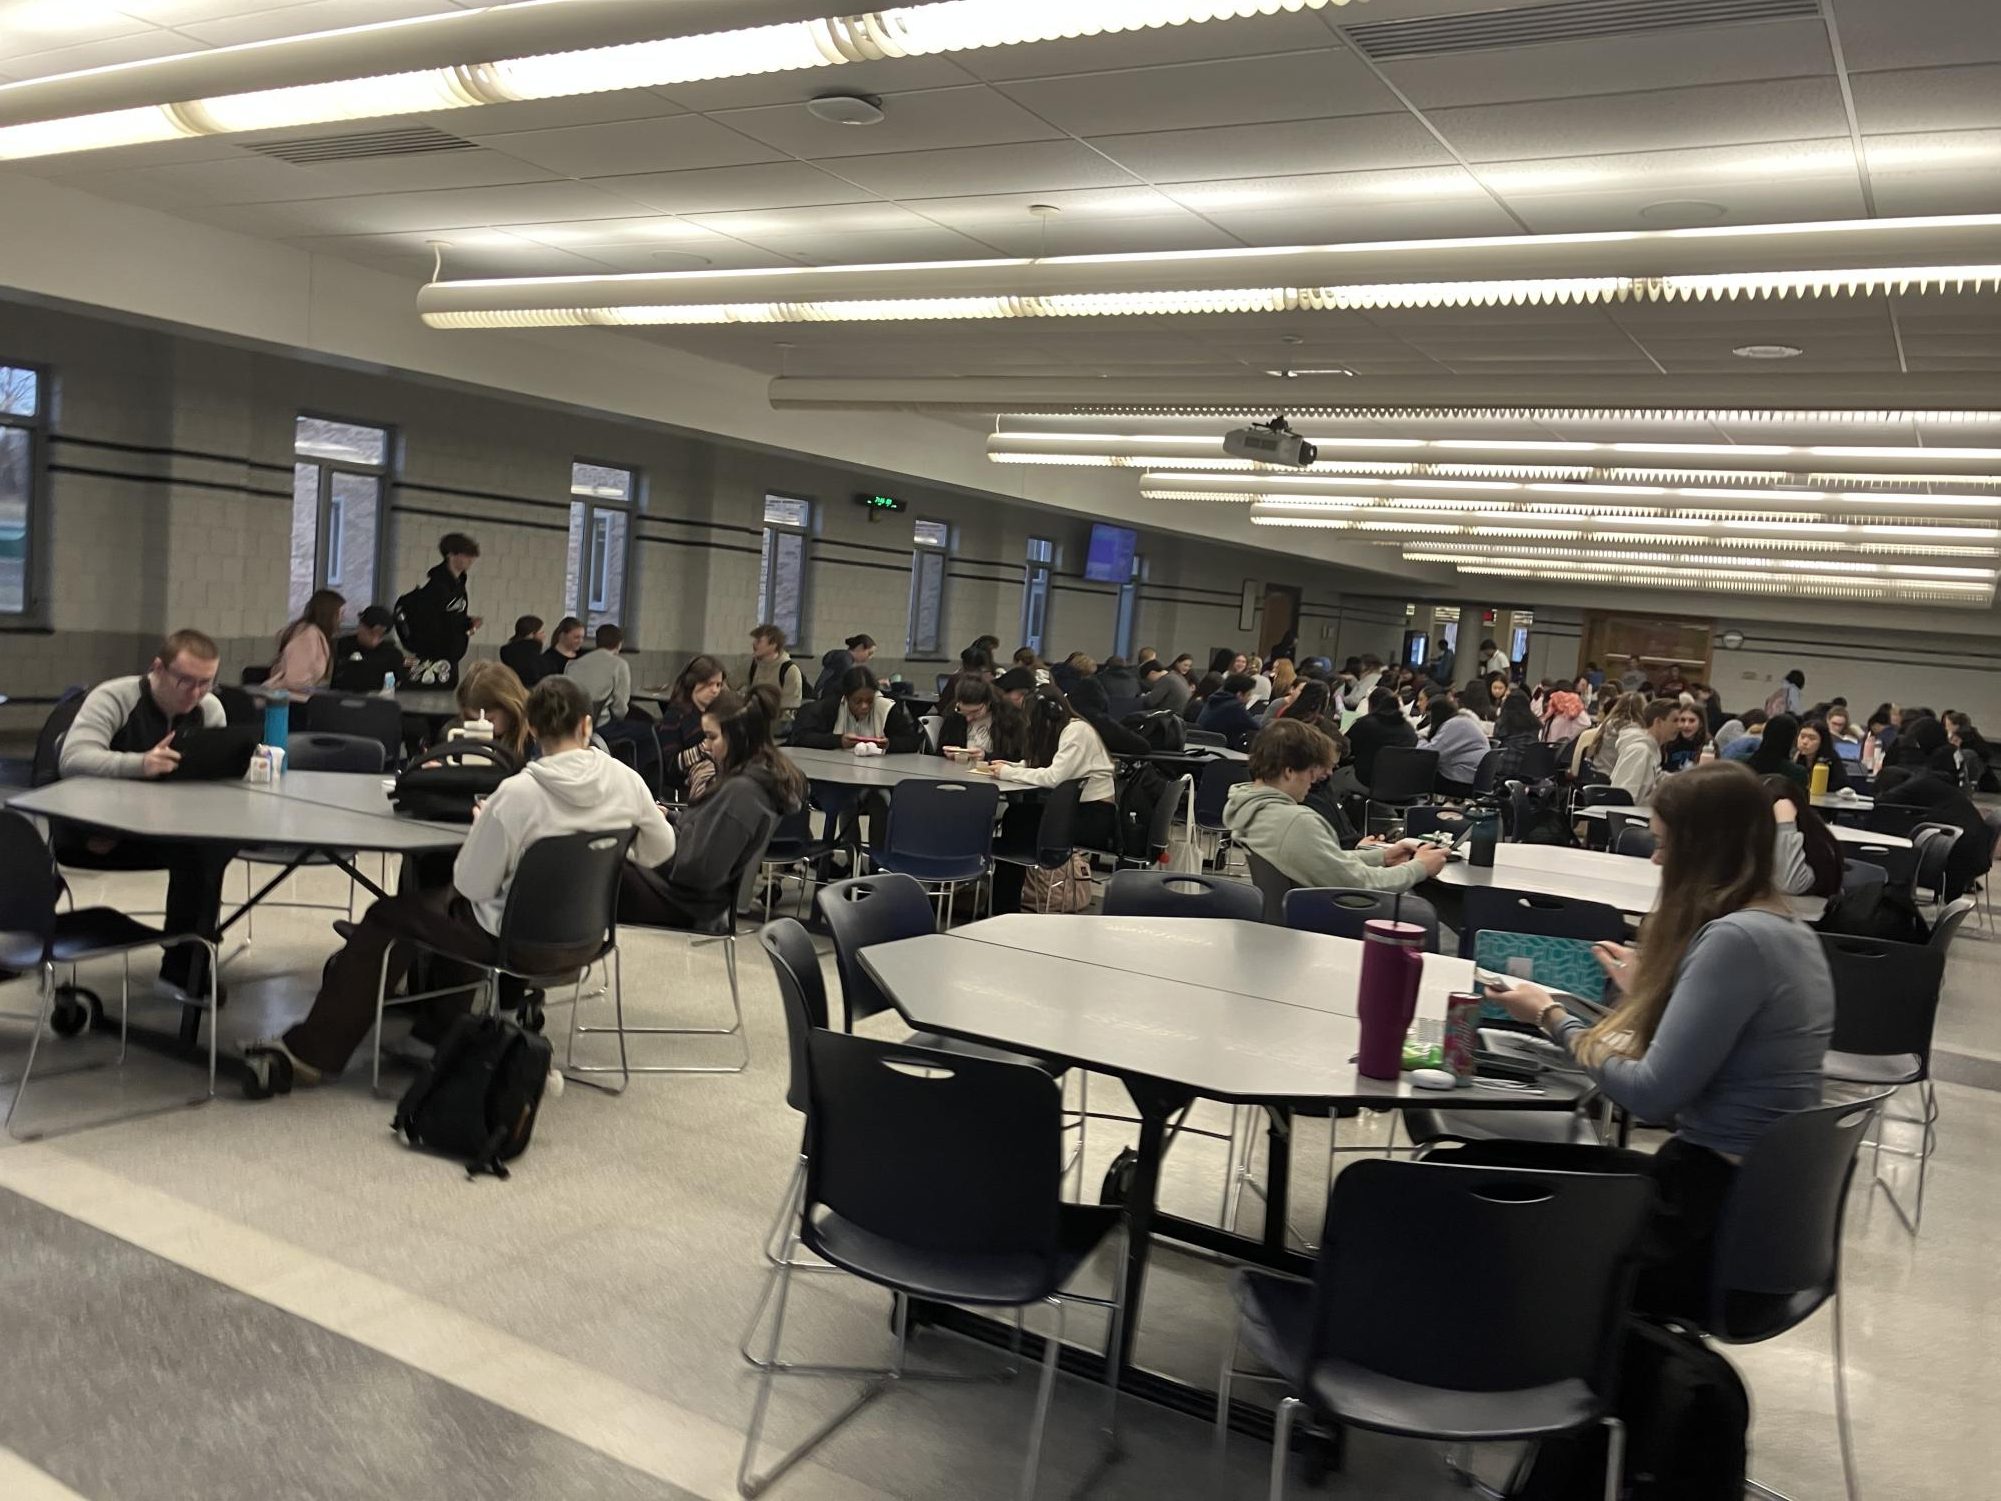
x,y
1297,842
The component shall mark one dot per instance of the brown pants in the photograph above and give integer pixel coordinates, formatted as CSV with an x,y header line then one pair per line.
x,y
345,1007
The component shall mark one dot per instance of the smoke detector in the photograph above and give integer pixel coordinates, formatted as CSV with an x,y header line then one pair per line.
x,y
846,109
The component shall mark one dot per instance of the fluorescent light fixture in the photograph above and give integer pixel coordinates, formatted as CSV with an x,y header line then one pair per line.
x,y
1886,590
942,26
1553,416
1604,498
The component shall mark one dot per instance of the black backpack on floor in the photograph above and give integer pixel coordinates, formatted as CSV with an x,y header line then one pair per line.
x,y
478,1097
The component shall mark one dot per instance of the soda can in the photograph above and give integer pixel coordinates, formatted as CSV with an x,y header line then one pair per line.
x,y
1462,1033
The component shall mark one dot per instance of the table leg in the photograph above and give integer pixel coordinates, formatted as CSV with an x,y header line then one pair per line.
x,y
1278,1177
1156,1102
353,873
265,890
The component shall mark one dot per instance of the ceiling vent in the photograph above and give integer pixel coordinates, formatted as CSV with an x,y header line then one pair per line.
x,y
1574,21
411,140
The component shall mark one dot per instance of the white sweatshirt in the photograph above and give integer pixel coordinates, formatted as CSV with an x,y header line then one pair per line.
x,y
1079,754
572,792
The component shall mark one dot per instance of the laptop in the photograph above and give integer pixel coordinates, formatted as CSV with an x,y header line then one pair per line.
x,y
1848,750
1566,965
221,754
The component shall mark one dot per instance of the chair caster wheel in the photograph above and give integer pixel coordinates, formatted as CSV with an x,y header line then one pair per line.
x,y
269,1073
75,1008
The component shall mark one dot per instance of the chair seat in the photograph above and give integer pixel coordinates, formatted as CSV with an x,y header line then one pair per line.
x,y
930,867
999,1278
78,935
1885,1069
1429,1125
943,1044
1277,1327
791,851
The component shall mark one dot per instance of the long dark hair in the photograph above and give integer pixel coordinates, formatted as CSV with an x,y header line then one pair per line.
x,y
745,720
698,671
1211,681
1383,704
322,610
1006,732
1775,751
1825,751
1310,702
1823,851
1516,716
1439,712
1049,714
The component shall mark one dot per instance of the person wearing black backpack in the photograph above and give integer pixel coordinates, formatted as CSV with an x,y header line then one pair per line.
x,y
573,788
434,619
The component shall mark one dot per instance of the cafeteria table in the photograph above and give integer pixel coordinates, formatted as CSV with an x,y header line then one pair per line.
x,y
1623,881
333,815
1843,833
1177,1010
840,768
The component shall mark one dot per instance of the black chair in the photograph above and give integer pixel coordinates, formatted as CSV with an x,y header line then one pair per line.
x,y
370,716
308,751
238,707
1146,893
1603,795
1403,775
35,935
1055,833
718,927
1429,818
1342,911
1886,999
1273,886
1538,762
1898,862
1933,844
1890,818
940,834
1193,736
1861,895
1211,793
1534,912
937,1176
1633,840
1160,826
1370,1342
1947,922
793,846
1483,774
1778,1240
1517,811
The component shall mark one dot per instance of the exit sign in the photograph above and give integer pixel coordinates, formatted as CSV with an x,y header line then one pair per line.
x,y
879,502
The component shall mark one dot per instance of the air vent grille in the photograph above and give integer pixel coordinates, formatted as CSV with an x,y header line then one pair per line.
x,y
411,140
1574,21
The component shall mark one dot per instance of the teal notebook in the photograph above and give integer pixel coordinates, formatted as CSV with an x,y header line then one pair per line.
x,y
1555,963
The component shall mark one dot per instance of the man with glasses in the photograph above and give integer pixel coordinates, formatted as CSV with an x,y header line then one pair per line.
x,y
126,728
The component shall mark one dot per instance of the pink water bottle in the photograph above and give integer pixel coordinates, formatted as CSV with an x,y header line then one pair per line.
x,y
1392,961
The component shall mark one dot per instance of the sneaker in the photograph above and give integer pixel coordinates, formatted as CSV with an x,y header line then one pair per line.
x,y
273,1070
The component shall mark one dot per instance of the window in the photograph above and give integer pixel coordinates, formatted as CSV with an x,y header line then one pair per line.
x,y
1127,624
339,470
23,397
1035,592
781,568
602,500
930,541
1445,619
1518,643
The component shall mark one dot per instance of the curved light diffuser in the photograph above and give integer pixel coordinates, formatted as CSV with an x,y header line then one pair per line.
x,y
1611,499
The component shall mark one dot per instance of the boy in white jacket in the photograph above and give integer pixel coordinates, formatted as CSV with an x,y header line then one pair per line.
x,y
571,789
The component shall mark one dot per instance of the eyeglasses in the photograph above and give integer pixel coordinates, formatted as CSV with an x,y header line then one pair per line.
x,y
189,684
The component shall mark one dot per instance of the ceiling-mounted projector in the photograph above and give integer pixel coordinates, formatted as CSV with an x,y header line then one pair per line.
x,y
1270,442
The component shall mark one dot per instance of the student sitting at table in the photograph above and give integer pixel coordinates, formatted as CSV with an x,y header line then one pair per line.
x,y
680,732
1638,767
305,647
1460,740
1269,817
566,643
1227,711
491,691
1161,688
1806,857
752,779
1721,1022
1381,728
1972,856
857,713
1061,746
125,728
1516,733
570,789
1691,733
523,651
606,678
363,660
983,718
1198,698
1816,745
1775,750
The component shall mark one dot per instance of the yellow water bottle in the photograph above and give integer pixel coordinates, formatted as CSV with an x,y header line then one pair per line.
x,y
1817,780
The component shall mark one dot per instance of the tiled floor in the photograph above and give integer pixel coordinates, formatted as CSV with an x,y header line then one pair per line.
x,y
280,1299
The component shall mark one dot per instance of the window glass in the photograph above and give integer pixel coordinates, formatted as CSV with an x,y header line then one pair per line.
x,y
783,510
344,442
931,534
927,599
781,580
20,392
337,489
17,483
600,533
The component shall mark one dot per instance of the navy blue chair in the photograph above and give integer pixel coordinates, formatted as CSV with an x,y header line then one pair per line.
x,y
1149,893
1533,912
940,833
794,846
1342,911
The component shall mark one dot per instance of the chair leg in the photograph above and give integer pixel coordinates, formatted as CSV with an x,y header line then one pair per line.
x,y
1116,1336
1841,1417
1052,1347
42,1009
1225,1380
1281,1445
626,1068
1615,1456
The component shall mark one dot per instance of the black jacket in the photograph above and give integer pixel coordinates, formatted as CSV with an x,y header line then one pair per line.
x,y
1371,733
360,669
832,665
1087,696
813,727
952,734
432,620
1942,800
1226,715
525,657
1119,682
553,665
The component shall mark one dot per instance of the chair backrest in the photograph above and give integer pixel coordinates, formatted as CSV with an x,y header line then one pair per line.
x,y
1483,774
1272,883
1950,917
1538,762
251,674
1889,818
1534,912
741,882
1518,813
1633,839
47,764
1056,834
791,831
803,990
931,726
30,884
564,896
1404,774
1218,777
866,910
941,820
1400,1234
377,718
1342,910
1933,843
1603,794
1160,893
1778,1240
1193,736
1885,994
1429,818
939,1152
238,707
1898,862
311,751
1125,704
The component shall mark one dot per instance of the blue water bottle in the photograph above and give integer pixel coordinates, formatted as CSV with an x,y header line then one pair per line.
x,y
277,719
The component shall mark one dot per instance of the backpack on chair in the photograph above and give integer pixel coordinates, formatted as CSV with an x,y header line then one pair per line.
x,y
478,1097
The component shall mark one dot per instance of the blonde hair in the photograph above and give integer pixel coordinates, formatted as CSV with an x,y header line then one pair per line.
x,y
1717,833
491,686
1282,675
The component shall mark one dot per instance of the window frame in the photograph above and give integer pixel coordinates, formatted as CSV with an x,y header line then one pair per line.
x,y
771,537
579,598
1038,572
919,553
35,574
381,474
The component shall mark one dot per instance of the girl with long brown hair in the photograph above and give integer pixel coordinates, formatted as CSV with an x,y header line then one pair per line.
x,y
1719,1020
305,647
493,690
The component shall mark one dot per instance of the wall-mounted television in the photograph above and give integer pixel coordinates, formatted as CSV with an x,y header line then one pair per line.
x,y
1110,560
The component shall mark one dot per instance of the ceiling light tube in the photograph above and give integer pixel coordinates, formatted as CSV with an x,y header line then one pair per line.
x,y
1185,414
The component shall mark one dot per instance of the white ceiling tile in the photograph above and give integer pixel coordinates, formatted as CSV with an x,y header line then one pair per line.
x,y
387,213
263,25
672,143
984,169
796,87
974,115
1950,173
31,26
78,164
715,189
1110,236
182,12
1158,44
259,179
714,253
873,217
844,247
135,47
1775,201
475,253
1962,98
1341,223
1349,144
1916,33
1786,109
1616,65
1227,91
553,114
1010,210
657,231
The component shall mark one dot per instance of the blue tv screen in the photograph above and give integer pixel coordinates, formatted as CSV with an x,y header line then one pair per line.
x,y
1111,557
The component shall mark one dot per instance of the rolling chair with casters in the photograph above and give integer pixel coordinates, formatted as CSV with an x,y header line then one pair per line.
x,y
1146,893
934,1176
1403,775
36,936
1370,1344
721,928
941,835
